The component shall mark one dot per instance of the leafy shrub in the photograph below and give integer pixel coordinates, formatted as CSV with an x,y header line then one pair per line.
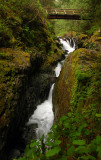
x,y
74,137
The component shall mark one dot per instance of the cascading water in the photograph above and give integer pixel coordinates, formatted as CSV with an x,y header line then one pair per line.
x,y
67,45
58,69
43,116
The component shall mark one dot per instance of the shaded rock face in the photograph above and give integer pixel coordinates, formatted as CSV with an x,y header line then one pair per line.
x,y
61,93
35,90
22,87
79,83
14,66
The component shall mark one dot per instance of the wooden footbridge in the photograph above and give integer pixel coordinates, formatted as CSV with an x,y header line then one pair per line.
x,y
70,14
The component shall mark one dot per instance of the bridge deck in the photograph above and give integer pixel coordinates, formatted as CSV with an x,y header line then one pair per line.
x,y
59,16
59,13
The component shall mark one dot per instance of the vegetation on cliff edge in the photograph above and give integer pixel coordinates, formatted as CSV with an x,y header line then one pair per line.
x,y
26,42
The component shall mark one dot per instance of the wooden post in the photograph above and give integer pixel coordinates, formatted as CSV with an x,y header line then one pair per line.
x,y
46,11
55,11
64,12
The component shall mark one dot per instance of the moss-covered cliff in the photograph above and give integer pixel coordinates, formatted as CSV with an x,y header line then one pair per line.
x,y
13,65
27,46
77,100
79,83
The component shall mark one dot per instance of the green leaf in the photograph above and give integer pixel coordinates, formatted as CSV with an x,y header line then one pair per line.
x,y
77,134
55,126
98,115
32,145
57,142
99,151
69,114
63,158
29,154
53,152
63,118
82,126
21,158
49,142
87,132
66,124
98,139
81,149
87,158
79,142
92,146
71,151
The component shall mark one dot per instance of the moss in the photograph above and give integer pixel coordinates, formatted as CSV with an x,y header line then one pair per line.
x,y
83,36
85,71
93,42
70,34
19,29
12,64
54,55
78,86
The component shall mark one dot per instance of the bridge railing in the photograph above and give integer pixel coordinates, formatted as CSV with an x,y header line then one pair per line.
x,y
65,11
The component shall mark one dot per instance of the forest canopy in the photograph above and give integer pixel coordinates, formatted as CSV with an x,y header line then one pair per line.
x,y
93,8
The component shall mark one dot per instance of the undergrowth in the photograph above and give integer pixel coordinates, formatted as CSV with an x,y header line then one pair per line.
x,y
75,137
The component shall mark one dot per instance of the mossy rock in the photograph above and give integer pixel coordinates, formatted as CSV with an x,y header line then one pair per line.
x,y
13,64
94,42
70,34
52,58
79,83
81,38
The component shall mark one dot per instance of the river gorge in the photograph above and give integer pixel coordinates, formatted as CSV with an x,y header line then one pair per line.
x,y
50,80
41,121
43,116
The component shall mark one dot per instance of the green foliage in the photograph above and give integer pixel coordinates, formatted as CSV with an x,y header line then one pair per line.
x,y
47,3
92,29
78,139
23,24
90,45
53,151
2,55
82,75
92,11
79,142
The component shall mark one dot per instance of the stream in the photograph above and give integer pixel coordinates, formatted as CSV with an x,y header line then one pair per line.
x,y
43,116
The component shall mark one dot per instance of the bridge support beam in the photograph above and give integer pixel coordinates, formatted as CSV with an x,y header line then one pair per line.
x,y
65,16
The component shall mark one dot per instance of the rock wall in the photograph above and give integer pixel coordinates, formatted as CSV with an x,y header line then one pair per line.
x,y
14,66
24,83
78,86
27,54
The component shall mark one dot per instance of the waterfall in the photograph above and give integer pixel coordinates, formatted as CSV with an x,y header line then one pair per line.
x,y
43,116
67,45
58,69
50,94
